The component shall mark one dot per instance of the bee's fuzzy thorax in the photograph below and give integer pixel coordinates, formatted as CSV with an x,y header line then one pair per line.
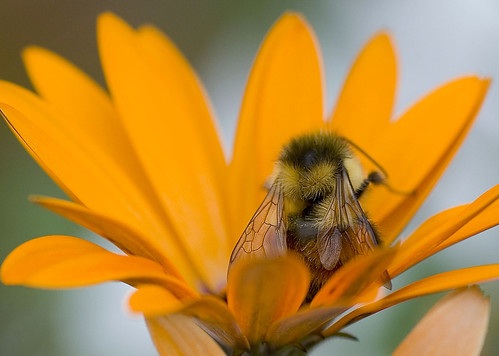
x,y
306,184
318,181
308,165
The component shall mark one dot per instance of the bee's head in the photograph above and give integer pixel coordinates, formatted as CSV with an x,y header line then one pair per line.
x,y
308,165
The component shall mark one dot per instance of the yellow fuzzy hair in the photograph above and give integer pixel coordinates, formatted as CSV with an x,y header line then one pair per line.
x,y
318,181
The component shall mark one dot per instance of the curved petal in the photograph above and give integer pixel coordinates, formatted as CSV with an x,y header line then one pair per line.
x,y
160,111
66,261
165,54
283,98
73,165
346,285
120,234
19,124
261,291
87,109
434,222
212,313
289,330
178,335
434,284
443,331
445,281
86,113
162,52
216,319
417,148
153,300
486,220
365,104
419,246
72,162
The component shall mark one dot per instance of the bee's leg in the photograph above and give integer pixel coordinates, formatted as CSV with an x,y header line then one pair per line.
x,y
377,178
373,177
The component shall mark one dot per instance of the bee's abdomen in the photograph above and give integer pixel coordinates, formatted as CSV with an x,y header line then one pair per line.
x,y
305,230
302,238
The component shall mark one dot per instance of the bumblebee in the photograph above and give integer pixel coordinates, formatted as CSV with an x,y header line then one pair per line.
x,y
312,208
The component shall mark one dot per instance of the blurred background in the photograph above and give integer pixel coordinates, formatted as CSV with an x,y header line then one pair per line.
x,y
436,41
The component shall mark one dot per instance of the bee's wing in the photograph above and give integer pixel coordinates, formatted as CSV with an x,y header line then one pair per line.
x,y
265,235
345,230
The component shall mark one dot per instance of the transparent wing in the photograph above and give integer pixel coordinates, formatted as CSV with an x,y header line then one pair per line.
x,y
345,230
265,235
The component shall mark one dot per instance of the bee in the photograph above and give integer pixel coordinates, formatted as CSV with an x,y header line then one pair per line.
x,y
312,207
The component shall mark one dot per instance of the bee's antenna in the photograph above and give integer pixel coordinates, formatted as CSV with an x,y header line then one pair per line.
x,y
374,176
367,156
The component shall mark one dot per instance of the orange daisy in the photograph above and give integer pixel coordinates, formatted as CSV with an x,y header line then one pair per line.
x,y
144,168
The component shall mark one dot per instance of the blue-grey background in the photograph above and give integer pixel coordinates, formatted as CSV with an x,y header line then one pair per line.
x,y
436,40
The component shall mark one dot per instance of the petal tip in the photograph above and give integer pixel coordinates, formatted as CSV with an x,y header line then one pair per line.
x,y
383,39
31,50
34,198
383,35
152,300
475,291
293,18
486,81
5,277
34,54
291,15
109,18
8,274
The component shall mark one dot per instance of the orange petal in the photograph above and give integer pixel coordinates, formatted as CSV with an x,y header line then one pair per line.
x,y
418,147
92,114
93,117
261,291
283,98
344,287
32,122
215,317
487,219
211,312
434,284
456,325
445,281
432,236
94,120
120,234
365,104
165,54
72,164
153,300
160,105
12,117
288,330
178,335
434,222
72,161
65,261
